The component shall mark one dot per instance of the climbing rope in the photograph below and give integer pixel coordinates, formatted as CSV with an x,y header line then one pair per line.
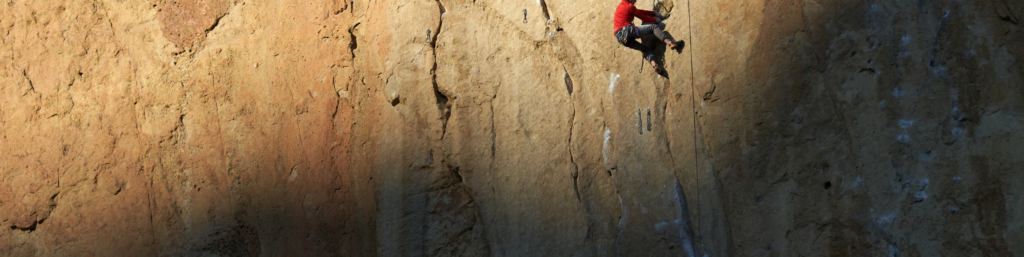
x,y
693,104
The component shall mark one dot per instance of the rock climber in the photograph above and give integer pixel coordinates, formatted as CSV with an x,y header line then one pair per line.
x,y
627,33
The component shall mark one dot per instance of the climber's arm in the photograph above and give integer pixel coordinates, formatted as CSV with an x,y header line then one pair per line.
x,y
645,15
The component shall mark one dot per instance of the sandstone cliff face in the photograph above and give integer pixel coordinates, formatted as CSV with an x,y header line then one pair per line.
x,y
510,128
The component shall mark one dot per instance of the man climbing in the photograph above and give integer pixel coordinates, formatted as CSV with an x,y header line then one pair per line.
x,y
627,33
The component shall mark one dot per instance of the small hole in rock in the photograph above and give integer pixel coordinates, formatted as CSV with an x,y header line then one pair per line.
x,y
828,185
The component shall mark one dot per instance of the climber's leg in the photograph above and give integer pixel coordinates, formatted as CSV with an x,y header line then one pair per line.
x,y
658,29
647,51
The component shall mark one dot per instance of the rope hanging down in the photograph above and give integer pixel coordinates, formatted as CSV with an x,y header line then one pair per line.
x,y
693,105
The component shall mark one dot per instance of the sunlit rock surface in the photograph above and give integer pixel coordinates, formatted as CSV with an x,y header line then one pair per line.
x,y
510,128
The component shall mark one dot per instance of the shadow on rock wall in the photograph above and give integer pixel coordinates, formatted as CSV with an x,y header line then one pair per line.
x,y
477,128
863,128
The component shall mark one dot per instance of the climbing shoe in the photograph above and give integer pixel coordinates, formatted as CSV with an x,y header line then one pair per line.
x,y
675,44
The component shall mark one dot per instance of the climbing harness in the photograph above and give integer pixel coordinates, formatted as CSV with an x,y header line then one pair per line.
x,y
627,33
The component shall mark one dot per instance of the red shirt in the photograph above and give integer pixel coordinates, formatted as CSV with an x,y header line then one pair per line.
x,y
626,11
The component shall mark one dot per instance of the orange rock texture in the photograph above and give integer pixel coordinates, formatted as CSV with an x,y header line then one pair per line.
x,y
510,128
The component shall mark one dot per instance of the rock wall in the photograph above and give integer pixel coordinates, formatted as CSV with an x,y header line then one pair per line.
x,y
510,128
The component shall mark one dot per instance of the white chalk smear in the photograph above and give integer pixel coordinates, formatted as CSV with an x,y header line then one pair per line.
x,y
927,157
893,251
896,92
625,214
906,123
885,219
660,226
903,138
921,195
614,78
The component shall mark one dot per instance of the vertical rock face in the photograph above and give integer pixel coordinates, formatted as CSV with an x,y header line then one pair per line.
x,y
510,128
185,23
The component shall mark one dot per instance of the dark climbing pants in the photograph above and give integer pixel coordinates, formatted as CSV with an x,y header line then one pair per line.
x,y
656,28
646,30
